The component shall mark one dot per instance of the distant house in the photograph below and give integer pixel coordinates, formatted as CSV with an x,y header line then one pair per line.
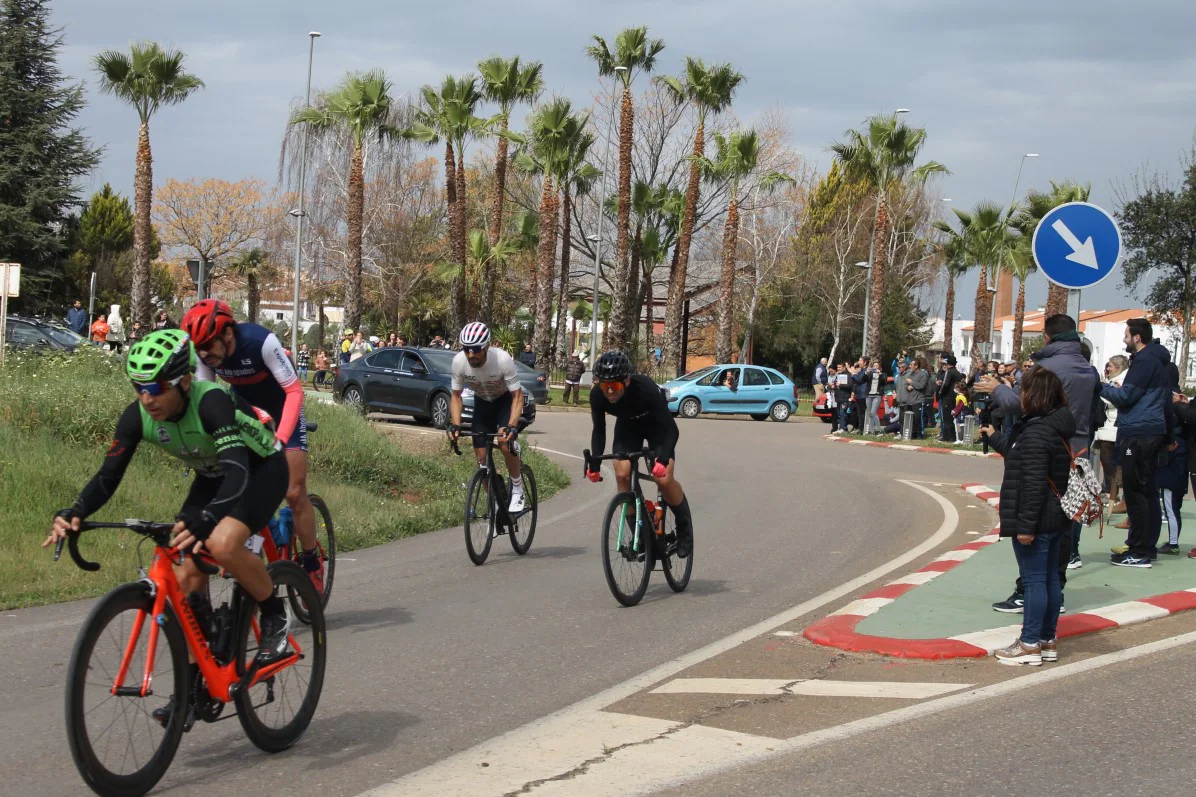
x,y
278,306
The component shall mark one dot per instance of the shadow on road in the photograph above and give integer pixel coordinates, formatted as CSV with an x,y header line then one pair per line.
x,y
359,620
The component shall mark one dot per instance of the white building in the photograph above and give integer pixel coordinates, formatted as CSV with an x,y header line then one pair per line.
x,y
278,306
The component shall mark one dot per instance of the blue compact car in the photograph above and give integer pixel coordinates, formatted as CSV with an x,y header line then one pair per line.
x,y
733,389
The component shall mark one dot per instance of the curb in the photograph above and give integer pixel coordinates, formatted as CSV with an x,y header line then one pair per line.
x,y
908,447
838,629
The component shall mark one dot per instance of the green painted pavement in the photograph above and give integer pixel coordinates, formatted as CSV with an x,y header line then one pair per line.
x,y
960,600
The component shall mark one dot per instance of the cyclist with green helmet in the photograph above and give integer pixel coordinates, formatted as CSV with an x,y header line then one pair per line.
x,y
240,472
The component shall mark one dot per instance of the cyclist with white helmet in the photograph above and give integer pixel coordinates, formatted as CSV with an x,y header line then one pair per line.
x,y
497,400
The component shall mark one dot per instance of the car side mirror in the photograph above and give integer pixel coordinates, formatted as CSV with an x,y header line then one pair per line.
x,y
418,369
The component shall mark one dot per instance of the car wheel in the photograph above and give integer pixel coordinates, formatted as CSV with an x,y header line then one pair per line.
x,y
690,408
352,398
440,411
779,412
759,416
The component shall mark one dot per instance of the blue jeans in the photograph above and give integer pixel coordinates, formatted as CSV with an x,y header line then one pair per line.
x,y
873,420
1038,564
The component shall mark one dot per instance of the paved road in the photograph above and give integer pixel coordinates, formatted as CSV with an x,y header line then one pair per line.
x,y
430,655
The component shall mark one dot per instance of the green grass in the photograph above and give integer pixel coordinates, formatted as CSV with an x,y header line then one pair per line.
x,y
56,416
557,394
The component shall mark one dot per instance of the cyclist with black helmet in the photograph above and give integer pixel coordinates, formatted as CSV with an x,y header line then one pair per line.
x,y
240,472
253,360
641,416
497,400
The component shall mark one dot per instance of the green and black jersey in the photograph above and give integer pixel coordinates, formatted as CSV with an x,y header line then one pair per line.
x,y
217,435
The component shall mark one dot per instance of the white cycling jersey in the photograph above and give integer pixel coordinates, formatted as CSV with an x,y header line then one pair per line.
x,y
492,381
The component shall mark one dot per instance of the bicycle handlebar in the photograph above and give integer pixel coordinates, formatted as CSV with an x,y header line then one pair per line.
x,y
158,532
631,456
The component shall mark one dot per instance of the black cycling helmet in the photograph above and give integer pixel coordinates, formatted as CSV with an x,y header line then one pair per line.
x,y
612,366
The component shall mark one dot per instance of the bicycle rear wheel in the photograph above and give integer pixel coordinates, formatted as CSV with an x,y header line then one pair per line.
x,y
479,517
676,570
326,551
626,555
275,712
118,747
523,525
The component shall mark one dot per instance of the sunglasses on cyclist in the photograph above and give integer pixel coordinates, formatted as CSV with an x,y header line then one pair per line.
x,y
473,349
155,388
608,387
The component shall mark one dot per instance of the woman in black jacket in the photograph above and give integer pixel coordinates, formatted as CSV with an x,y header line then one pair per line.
x,y
1037,466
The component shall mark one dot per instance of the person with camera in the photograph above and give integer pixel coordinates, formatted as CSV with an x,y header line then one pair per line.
x,y
1063,356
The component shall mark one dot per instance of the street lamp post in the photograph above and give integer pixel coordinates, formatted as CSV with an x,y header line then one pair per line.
x,y
597,239
872,253
298,212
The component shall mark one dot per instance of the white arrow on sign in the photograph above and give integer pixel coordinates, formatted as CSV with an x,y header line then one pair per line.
x,y
1082,253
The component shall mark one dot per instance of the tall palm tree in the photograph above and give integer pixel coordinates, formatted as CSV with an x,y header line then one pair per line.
x,y
955,264
362,105
448,114
737,157
253,266
147,77
1037,205
883,158
633,52
553,132
577,178
982,234
508,83
1020,263
710,90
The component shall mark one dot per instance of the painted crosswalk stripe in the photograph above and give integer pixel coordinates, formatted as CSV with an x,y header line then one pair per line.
x,y
820,688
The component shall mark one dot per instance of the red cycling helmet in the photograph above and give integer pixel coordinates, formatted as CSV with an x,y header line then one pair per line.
x,y
207,320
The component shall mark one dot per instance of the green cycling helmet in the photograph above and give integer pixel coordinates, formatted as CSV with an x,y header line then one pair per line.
x,y
162,355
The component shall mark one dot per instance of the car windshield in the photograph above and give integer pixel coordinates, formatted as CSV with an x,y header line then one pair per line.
x,y
62,335
439,360
698,374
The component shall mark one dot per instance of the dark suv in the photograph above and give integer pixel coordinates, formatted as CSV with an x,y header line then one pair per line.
x,y
414,382
33,334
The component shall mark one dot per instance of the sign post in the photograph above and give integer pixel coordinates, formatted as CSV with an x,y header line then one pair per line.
x,y
10,285
1076,246
91,305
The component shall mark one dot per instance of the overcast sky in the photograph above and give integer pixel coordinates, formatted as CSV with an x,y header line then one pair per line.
x,y
1096,87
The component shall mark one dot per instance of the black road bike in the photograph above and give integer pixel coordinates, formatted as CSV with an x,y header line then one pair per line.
x,y
487,507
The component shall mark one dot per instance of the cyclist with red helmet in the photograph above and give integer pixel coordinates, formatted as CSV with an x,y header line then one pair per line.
x,y
254,362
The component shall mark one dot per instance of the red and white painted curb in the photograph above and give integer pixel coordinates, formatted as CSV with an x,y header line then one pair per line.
x,y
838,629
908,447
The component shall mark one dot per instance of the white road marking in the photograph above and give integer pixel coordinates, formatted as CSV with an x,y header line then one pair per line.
x,y
785,633
811,688
558,453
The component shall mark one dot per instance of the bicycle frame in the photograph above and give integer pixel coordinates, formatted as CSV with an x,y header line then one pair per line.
x,y
640,502
497,492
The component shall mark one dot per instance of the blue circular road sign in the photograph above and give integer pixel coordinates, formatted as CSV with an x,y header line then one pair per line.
x,y
1077,245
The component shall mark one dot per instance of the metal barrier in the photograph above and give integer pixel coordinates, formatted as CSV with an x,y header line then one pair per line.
x,y
907,425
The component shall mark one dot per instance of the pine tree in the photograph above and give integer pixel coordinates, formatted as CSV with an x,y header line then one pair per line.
x,y
41,155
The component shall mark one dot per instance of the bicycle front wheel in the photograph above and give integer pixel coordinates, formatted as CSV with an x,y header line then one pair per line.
x,y
626,554
118,746
676,570
276,711
479,517
523,525
325,550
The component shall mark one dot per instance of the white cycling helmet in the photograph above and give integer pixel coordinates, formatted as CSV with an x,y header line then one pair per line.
x,y
475,333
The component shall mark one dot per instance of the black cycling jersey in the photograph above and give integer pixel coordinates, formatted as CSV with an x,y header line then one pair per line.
x,y
641,413
217,413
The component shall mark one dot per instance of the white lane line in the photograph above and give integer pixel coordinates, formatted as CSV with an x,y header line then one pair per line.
x,y
558,453
810,688
461,773
785,633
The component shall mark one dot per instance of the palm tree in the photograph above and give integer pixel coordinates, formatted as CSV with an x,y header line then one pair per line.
x,y
507,83
1038,205
488,259
253,266
362,105
1020,263
554,132
736,159
147,77
983,233
883,159
710,89
633,52
577,178
956,264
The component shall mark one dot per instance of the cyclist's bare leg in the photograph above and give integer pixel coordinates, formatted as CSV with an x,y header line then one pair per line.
x,y
297,500
670,488
227,547
510,458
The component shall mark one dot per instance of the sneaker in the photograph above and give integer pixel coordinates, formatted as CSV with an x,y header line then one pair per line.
x,y
1020,653
1118,508
313,564
162,715
1074,562
1126,560
1014,604
273,644
518,502
1120,549
1192,554
685,540
1169,550
1050,650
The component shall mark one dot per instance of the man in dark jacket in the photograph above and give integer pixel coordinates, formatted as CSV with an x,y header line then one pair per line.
x,y
919,385
527,356
948,378
574,368
76,318
1063,356
1145,421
